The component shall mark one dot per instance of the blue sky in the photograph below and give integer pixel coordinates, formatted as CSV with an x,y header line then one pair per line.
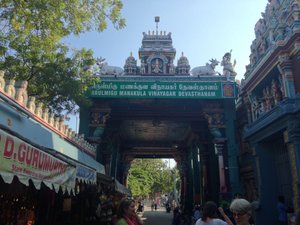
x,y
201,29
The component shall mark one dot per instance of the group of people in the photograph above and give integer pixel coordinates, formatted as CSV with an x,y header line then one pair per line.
x,y
241,212
240,208
283,211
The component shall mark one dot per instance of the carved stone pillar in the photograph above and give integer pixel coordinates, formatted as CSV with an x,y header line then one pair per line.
x,y
98,120
219,147
285,67
292,141
183,172
248,107
196,174
125,167
204,174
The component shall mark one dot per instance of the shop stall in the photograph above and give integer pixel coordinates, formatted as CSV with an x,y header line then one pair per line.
x,y
110,193
42,186
31,180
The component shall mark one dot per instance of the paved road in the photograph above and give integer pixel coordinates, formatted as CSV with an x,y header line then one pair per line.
x,y
159,217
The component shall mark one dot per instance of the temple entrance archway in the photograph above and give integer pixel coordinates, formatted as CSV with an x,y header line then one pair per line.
x,y
191,131
162,110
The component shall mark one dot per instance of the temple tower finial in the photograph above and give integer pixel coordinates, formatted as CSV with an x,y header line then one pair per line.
x,y
156,21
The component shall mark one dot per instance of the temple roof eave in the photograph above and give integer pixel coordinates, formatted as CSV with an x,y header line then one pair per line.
x,y
156,40
168,54
170,78
157,49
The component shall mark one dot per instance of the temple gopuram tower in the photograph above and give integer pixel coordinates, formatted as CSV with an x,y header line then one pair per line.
x,y
157,54
268,112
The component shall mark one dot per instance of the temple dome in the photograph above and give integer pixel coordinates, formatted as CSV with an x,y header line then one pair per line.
x,y
183,61
183,65
130,60
130,65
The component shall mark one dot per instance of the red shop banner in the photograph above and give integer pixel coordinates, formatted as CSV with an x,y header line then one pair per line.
x,y
19,158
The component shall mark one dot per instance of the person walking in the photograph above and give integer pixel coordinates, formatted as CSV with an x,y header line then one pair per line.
x,y
126,214
197,212
210,215
152,205
282,211
241,211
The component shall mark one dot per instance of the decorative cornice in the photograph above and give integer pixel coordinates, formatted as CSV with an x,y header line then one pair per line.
x,y
284,108
165,78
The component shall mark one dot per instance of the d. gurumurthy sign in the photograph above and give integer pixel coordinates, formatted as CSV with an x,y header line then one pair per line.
x,y
162,89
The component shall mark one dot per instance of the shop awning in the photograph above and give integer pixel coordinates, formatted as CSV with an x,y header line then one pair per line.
x,y
86,174
121,188
27,162
104,179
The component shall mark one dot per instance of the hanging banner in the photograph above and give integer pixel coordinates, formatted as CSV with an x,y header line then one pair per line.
x,y
27,162
163,89
86,174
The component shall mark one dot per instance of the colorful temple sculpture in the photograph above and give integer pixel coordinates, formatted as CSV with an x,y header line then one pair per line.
x,y
155,108
268,112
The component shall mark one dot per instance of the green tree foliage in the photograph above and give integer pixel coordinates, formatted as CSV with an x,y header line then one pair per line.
x,y
30,46
149,176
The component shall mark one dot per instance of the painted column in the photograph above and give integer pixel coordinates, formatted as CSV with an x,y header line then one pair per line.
x,y
285,67
184,182
96,123
292,140
109,152
125,170
186,196
231,147
248,107
219,147
204,174
114,149
183,185
190,184
196,174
